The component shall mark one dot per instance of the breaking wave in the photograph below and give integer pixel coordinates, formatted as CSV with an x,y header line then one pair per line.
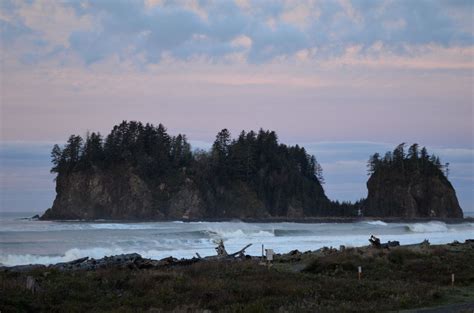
x,y
430,227
43,242
376,223
69,255
238,233
97,253
121,226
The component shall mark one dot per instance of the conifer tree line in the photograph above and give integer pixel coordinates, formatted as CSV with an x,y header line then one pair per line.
x,y
154,151
145,147
414,159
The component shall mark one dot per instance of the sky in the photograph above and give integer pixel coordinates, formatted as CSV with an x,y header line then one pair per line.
x,y
345,79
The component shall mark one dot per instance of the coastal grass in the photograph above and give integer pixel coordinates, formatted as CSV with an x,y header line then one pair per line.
x,y
396,279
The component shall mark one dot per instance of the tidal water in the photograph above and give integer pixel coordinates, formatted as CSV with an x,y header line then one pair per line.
x,y
25,241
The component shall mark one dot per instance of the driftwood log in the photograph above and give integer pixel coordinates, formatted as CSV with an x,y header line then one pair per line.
x,y
375,242
222,253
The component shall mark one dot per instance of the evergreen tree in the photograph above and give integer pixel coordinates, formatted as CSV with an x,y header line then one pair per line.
x,y
180,151
240,158
373,163
413,152
319,173
93,149
437,163
57,159
424,156
399,153
222,143
220,152
72,151
388,158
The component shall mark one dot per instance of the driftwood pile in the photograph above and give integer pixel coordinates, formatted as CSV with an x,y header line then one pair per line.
x,y
131,261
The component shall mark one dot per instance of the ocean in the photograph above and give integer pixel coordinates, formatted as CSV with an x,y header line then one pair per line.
x,y
26,241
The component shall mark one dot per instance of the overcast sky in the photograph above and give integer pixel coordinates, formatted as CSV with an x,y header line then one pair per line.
x,y
343,78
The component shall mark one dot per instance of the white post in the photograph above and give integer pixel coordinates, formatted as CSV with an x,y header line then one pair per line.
x,y
269,254
360,271
452,280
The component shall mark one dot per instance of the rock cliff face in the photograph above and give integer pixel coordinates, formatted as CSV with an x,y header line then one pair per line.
x,y
396,193
121,194
116,194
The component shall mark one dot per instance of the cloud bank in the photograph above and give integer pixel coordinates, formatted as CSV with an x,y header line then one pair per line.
x,y
387,70
253,31
321,71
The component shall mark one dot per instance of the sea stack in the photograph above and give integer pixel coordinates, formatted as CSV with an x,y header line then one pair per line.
x,y
412,185
141,172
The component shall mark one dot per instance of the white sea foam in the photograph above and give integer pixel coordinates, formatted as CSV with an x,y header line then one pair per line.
x,y
97,253
376,223
429,227
238,233
186,248
69,255
121,226
28,242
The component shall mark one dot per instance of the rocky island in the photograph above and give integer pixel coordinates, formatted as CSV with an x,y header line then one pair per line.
x,y
141,172
411,185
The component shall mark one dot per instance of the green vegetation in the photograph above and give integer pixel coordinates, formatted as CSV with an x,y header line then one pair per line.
x,y
414,160
253,172
400,278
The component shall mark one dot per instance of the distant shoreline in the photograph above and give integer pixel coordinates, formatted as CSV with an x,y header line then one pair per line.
x,y
304,220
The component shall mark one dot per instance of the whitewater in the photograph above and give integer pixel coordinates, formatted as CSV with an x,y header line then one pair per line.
x,y
26,241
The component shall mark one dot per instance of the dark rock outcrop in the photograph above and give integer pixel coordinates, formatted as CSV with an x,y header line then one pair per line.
x,y
120,194
96,194
410,193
